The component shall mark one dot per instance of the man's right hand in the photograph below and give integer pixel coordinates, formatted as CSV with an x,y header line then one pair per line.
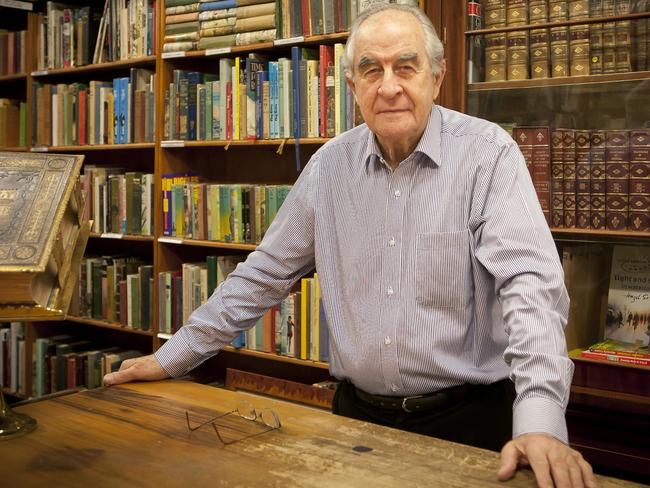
x,y
146,368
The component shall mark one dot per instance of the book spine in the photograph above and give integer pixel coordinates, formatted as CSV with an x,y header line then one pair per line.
x,y
596,39
615,358
597,181
557,179
569,177
617,168
582,179
639,203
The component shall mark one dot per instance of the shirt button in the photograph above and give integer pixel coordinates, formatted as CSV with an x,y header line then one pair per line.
x,y
387,341
398,193
390,291
391,242
394,387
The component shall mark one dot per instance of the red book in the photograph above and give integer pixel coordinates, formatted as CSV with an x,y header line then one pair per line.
x,y
326,59
615,358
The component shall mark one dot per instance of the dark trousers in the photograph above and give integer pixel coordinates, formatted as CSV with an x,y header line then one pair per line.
x,y
482,418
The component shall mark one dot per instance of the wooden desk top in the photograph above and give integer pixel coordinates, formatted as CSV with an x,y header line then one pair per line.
x,y
136,435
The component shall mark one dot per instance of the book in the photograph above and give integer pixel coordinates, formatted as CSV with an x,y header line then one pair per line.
x,y
628,301
44,236
620,348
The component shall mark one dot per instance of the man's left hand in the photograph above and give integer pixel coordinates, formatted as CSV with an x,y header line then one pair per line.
x,y
554,463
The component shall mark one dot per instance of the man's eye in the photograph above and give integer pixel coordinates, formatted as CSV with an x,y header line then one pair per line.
x,y
406,69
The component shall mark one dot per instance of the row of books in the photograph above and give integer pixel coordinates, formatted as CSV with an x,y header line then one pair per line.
x,y
63,362
577,50
115,289
297,327
12,358
13,123
12,52
590,179
118,201
99,112
205,25
182,292
256,98
220,212
70,36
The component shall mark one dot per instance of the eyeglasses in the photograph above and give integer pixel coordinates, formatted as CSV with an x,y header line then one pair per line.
x,y
244,410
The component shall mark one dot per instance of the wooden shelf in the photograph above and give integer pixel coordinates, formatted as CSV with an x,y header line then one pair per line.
x,y
598,234
97,68
277,357
121,237
566,23
14,149
108,325
256,142
259,46
14,77
565,80
97,147
216,244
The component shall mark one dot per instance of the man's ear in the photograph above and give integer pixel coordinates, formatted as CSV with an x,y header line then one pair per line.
x,y
438,78
350,82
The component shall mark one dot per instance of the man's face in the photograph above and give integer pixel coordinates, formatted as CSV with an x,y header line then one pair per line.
x,y
392,76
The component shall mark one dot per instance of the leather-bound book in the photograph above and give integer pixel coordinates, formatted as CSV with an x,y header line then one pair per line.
x,y
597,181
583,186
569,144
557,179
639,214
596,38
539,40
579,38
517,51
42,234
617,168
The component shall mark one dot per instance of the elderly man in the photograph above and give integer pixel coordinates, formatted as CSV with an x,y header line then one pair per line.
x,y
438,273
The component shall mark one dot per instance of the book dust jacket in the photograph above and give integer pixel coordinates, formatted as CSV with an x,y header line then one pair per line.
x,y
628,304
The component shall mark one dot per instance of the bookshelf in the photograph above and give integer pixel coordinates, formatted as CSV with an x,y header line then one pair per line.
x,y
261,162
590,102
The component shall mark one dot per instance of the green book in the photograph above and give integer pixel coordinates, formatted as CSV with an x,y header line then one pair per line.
x,y
211,262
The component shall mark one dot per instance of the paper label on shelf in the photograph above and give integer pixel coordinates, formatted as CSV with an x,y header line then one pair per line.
x,y
39,149
111,235
42,72
172,144
17,4
162,335
174,54
171,240
289,40
217,51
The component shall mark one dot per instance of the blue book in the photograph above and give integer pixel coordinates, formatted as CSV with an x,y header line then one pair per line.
x,y
193,79
274,122
323,334
295,89
220,5
124,110
239,340
116,111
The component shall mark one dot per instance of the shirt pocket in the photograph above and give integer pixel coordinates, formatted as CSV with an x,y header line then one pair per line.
x,y
443,269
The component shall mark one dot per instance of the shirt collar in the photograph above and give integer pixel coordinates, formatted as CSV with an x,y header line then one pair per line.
x,y
428,145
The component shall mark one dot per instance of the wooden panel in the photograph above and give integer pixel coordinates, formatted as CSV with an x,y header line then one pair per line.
x,y
136,435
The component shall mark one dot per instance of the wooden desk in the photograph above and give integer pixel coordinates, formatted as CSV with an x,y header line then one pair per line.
x,y
136,435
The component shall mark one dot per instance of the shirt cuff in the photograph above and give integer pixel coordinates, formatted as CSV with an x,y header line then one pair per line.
x,y
539,415
176,357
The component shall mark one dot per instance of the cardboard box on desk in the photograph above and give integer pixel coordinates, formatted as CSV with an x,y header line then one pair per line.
x,y
42,234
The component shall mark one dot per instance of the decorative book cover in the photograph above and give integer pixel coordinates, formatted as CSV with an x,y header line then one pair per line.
x,y
42,234
628,303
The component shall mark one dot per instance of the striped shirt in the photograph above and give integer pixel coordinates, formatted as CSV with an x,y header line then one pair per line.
x,y
438,273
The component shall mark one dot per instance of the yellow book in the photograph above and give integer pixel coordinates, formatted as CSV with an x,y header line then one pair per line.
x,y
305,313
315,322
235,99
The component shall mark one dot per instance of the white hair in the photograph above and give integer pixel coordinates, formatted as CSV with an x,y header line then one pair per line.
x,y
432,44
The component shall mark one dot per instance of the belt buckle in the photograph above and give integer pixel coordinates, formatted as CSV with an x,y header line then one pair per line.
x,y
404,407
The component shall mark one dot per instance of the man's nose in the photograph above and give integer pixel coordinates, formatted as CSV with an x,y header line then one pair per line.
x,y
389,86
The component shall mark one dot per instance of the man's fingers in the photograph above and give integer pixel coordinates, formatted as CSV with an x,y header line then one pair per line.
x,y
121,376
509,460
542,472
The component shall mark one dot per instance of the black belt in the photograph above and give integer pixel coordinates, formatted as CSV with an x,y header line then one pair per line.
x,y
418,403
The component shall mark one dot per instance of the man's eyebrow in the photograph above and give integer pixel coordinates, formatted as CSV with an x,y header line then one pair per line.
x,y
408,57
365,61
